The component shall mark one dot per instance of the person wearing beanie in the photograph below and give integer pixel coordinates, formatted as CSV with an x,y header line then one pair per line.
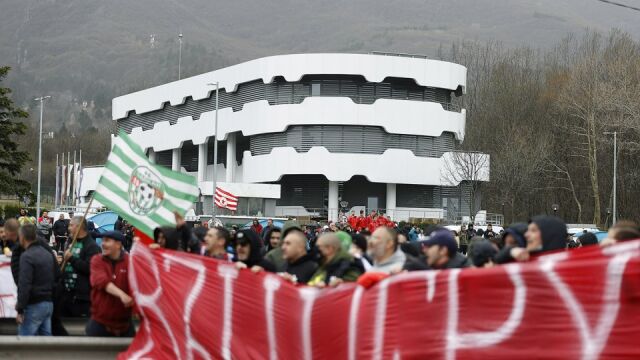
x,y
111,299
336,265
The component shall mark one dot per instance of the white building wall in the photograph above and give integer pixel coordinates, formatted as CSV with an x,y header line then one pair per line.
x,y
394,166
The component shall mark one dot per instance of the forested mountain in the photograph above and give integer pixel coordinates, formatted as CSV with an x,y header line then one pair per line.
x,y
84,53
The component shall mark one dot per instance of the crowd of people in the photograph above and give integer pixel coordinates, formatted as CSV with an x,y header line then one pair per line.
x,y
83,279
65,273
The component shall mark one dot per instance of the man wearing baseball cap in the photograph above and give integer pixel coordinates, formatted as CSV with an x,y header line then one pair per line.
x,y
110,294
441,251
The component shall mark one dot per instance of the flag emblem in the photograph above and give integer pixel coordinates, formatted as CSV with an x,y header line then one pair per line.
x,y
146,191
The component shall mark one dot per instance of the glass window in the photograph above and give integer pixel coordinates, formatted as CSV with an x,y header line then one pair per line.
x,y
315,89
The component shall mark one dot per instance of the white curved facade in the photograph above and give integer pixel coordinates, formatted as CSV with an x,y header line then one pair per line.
x,y
374,68
395,116
370,130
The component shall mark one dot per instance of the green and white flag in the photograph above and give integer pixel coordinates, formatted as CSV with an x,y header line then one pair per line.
x,y
144,194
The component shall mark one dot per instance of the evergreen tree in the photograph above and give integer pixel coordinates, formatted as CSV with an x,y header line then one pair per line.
x,y
11,158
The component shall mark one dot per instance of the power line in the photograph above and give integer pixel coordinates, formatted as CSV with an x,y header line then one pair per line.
x,y
619,4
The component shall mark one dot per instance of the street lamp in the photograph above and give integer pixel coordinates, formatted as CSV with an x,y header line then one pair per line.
x,y
615,175
179,55
555,208
215,151
41,99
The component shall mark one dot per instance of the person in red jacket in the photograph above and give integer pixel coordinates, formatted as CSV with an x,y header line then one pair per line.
x,y
363,221
111,301
353,221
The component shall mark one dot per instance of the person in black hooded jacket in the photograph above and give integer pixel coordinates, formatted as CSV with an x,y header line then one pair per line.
x,y
544,234
179,238
248,248
513,237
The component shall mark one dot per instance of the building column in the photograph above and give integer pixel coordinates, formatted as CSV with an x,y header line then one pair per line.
x,y
333,201
152,155
175,159
202,161
231,157
391,201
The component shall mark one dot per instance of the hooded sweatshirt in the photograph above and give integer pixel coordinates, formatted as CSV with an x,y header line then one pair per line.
x,y
553,231
554,237
342,266
255,255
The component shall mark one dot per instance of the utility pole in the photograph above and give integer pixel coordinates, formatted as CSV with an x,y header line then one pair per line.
x,y
180,56
41,99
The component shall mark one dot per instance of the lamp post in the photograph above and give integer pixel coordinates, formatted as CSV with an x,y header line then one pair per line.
x,y
41,99
614,215
215,151
555,208
179,55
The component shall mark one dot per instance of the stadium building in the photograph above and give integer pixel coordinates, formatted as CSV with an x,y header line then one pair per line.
x,y
312,134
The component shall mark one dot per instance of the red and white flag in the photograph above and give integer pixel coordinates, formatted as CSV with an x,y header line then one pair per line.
x,y
224,199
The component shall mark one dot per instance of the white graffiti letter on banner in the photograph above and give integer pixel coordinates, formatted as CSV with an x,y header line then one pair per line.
x,y
199,267
431,284
456,340
381,315
271,284
592,341
308,295
149,301
229,273
353,321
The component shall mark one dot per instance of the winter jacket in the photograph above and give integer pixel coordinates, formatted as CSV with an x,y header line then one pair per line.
x,y
37,276
342,266
303,268
395,262
275,257
107,309
81,265
459,261
60,228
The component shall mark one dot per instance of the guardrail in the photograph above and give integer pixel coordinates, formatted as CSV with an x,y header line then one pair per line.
x,y
64,347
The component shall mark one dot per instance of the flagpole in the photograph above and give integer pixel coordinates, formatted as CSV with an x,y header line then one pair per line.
x,y
79,174
75,233
215,155
73,187
55,201
68,200
61,180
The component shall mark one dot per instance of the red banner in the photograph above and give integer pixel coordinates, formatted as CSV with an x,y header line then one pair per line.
x,y
581,304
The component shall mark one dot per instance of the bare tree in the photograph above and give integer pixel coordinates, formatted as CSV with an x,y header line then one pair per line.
x,y
471,168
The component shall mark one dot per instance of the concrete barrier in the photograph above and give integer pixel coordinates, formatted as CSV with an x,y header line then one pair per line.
x,y
66,347
74,326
